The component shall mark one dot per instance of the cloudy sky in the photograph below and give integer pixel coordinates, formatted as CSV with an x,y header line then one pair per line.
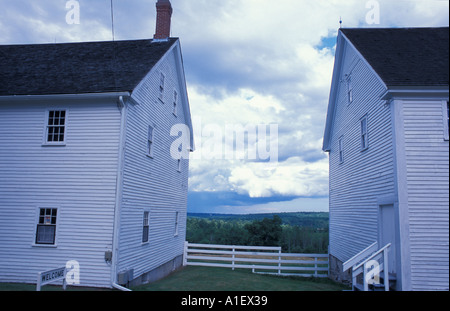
x,y
247,63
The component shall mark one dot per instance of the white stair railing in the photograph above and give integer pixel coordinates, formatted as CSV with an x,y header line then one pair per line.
x,y
371,263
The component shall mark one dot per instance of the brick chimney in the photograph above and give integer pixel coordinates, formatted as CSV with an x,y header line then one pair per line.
x,y
163,18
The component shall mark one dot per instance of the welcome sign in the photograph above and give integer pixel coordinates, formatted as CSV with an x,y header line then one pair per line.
x,y
51,276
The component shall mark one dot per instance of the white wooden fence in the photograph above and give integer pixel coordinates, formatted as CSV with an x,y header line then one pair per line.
x,y
258,258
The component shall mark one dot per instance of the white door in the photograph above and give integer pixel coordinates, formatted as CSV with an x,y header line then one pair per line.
x,y
387,233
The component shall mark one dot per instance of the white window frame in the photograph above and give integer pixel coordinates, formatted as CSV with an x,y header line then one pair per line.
x,y
349,90
177,223
48,126
162,82
445,114
146,226
38,223
364,133
150,141
341,149
175,103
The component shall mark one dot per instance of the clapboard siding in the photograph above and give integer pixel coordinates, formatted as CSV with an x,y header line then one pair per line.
x,y
79,179
153,184
427,162
356,184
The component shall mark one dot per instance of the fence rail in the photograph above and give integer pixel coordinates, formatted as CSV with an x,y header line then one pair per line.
x,y
260,259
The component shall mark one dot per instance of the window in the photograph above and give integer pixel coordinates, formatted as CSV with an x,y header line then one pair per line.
x,y
179,165
177,220
56,125
364,134
349,90
341,150
175,102
161,87
145,227
150,141
46,227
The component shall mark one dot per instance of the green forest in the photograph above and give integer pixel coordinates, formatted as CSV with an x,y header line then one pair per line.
x,y
294,232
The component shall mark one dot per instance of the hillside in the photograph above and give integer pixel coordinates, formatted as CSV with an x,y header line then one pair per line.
x,y
301,219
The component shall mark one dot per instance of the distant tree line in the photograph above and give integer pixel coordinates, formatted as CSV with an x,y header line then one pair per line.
x,y
259,232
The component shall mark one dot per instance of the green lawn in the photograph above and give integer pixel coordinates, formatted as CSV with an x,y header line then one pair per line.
x,y
21,287
211,279
194,278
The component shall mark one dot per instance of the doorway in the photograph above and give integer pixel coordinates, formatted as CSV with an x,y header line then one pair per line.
x,y
387,234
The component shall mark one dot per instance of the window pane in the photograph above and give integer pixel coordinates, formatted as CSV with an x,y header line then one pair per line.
x,y
145,234
55,129
45,234
150,133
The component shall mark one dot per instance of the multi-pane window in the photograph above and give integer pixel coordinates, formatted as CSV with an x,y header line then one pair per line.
x,y
150,141
162,81
46,227
145,227
341,150
364,134
56,126
175,102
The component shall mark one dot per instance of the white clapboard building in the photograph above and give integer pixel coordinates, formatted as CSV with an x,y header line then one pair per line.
x,y
86,169
388,142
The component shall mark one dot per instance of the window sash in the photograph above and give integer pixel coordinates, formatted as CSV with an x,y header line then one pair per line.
x,y
146,227
46,227
341,150
349,90
45,234
161,86
56,126
364,136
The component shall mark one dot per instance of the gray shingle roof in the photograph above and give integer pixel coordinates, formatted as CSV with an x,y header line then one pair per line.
x,y
405,56
75,68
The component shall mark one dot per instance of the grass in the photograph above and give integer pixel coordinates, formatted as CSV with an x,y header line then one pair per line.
x,y
194,278
21,287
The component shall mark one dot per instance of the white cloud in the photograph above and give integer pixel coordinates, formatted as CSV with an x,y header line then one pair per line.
x,y
292,177
246,62
269,51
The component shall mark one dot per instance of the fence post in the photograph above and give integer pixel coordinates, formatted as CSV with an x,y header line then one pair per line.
x,y
315,266
186,245
366,285
233,256
279,261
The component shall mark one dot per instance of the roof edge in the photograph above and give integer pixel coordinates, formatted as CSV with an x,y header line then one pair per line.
x,y
63,96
